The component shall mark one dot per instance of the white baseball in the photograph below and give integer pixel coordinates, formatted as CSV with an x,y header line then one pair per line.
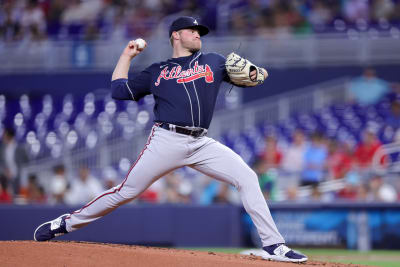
x,y
140,42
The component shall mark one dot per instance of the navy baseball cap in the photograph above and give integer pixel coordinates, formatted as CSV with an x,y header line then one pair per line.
x,y
187,23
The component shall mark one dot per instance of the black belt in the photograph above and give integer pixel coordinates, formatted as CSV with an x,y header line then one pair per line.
x,y
182,130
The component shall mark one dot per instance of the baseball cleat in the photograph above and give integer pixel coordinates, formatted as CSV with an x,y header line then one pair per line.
x,y
51,229
280,252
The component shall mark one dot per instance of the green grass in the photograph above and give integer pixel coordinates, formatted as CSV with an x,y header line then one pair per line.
x,y
384,258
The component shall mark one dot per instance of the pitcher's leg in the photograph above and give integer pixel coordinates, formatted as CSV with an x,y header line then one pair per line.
x,y
154,161
218,161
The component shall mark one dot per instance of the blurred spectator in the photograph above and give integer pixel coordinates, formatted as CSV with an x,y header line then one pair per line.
x,y
318,196
33,21
218,192
34,192
83,189
239,25
13,156
210,190
5,195
382,10
393,118
350,191
92,19
363,193
293,159
267,178
365,151
272,156
54,14
58,185
340,159
78,15
283,14
91,32
314,161
110,178
222,195
178,189
368,89
149,196
382,191
355,10
10,25
394,95
396,138
157,192
320,15
292,193
140,20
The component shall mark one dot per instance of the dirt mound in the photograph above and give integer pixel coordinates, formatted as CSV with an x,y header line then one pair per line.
x,y
56,253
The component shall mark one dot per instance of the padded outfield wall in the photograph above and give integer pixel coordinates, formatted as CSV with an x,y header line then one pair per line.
x,y
354,226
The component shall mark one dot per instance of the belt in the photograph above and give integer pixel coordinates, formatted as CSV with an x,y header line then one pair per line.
x,y
195,132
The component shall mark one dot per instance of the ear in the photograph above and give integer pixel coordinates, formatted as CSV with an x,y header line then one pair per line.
x,y
175,35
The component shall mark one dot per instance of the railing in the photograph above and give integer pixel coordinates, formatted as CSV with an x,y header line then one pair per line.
x,y
288,50
280,107
111,151
391,153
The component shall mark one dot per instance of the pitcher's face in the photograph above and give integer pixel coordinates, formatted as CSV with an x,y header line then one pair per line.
x,y
190,39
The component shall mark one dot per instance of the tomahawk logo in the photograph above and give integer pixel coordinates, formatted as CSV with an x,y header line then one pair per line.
x,y
185,76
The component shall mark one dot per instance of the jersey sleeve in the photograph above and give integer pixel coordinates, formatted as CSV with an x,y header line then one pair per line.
x,y
221,62
132,89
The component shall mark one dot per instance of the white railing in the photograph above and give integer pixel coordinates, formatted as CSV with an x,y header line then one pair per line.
x,y
271,110
279,107
304,192
390,165
288,50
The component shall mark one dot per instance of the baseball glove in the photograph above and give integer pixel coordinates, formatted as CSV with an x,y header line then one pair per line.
x,y
239,69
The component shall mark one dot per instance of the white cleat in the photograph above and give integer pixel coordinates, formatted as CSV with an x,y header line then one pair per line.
x,y
280,252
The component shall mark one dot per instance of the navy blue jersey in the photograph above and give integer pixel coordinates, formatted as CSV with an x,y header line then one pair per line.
x,y
185,89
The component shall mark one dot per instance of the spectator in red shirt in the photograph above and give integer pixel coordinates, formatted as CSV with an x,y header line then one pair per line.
x,y
340,159
350,190
366,149
271,157
5,196
34,192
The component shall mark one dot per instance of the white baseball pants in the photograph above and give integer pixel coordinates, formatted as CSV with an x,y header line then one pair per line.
x,y
165,151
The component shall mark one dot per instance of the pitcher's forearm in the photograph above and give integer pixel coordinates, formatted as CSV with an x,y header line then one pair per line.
x,y
122,68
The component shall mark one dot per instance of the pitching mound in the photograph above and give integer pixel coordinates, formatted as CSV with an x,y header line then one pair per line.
x,y
29,253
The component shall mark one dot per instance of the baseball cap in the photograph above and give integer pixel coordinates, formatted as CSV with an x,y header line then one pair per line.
x,y
187,23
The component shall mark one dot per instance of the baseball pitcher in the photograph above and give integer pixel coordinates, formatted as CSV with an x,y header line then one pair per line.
x,y
185,89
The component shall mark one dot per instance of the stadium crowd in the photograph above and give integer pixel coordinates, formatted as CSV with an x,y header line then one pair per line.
x,y
307,161
112,19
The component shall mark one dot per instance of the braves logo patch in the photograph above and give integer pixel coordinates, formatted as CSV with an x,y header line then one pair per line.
x,y
185,76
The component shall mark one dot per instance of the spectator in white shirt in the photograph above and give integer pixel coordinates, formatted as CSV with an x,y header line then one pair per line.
x,y
83,189
293,160
58,185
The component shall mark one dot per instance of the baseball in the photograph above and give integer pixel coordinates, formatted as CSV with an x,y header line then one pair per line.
x,y
140,42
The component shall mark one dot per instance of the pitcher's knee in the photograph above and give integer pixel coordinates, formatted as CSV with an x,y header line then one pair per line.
x,y
248,180
128,192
